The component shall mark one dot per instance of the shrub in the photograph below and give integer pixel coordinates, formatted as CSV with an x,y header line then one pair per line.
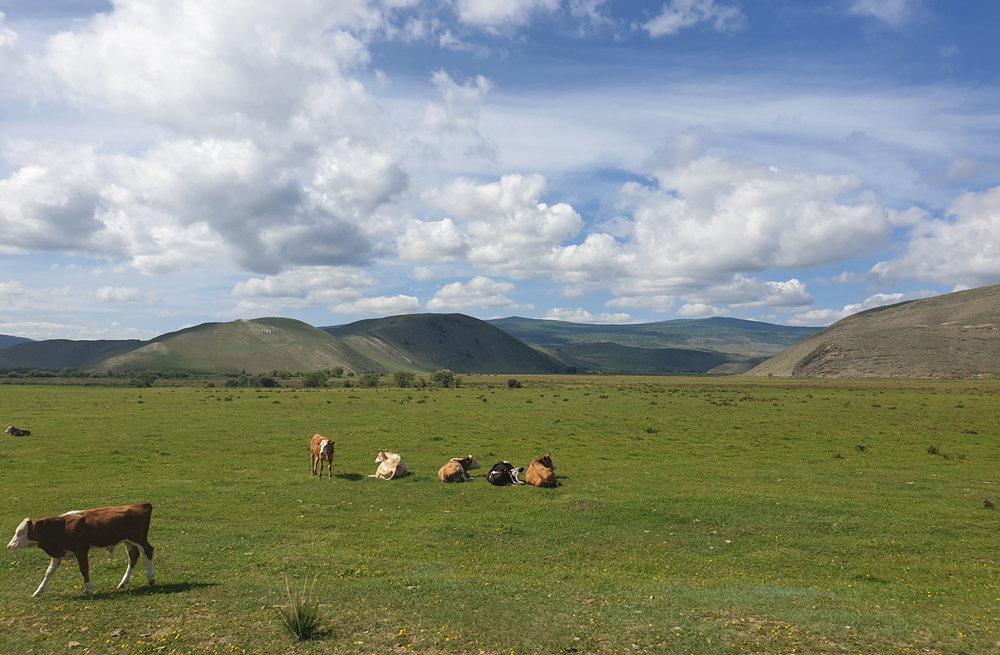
x,y
338,371
369,380
443,378
513,384
315,379
403,379
144,379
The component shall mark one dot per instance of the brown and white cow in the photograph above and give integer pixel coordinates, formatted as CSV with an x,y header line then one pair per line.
x,y
542,472
73,534
321,450
390,466
455,470
14,432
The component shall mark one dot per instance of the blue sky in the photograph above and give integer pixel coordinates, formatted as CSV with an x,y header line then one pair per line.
x,y
164,163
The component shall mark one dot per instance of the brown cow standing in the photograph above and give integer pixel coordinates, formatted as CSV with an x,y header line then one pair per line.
x,y
542,472
74,533
321,450
455,470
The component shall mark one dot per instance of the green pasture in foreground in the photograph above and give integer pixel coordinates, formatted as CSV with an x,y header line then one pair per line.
x,y
697,515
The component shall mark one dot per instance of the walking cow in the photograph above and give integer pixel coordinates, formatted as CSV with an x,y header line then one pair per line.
x,y
73,534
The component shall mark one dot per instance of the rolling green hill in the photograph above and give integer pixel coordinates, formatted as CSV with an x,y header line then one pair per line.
x,y
956,335
429,342
258,346
729,335
57,354
610,357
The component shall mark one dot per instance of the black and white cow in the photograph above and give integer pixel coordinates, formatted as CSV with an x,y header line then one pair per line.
x,y
504,474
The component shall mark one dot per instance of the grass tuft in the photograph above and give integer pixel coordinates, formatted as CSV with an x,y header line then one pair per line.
x,y
988,504
301,617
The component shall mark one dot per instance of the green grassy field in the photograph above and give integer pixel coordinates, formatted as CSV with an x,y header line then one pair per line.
x,y
697,515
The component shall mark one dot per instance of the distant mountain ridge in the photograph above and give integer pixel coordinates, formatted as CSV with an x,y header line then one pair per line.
x,y
956,335
722,334
7,340
421,343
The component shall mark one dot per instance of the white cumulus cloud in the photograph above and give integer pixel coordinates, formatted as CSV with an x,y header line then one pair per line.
x,y
379,306
679,14
500,13
824,317
960,249
701,310
503,226
479,292
120,294
892,12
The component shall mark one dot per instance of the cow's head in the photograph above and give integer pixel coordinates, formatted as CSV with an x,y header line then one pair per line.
x,y
382,456
23,536
546,461
469,463
326,447
9,430
514,473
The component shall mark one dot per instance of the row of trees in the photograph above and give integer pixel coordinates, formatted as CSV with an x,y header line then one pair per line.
x,y
315,379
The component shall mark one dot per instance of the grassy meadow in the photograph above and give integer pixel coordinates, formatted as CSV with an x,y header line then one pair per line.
x,y
697,515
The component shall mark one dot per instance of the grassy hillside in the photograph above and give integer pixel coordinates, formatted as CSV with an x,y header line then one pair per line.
x,y
58,354
610,357
956,335
258,346
6,341
729,335
429,342
706,516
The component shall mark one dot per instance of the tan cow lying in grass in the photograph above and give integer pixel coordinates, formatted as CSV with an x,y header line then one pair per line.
x,y
542,472
72,535
455,470
390,466
321,450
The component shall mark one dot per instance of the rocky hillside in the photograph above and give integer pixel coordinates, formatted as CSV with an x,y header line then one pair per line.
x,y
950,336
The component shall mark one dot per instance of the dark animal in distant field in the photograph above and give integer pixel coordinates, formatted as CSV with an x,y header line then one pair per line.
x,y
73,534
14,432
455,470
390,466
321,450
505,474
542,472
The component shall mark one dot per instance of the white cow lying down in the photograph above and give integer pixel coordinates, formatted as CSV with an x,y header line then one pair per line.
x,y
390,466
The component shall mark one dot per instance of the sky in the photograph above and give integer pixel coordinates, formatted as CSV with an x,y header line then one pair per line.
x,y
166,163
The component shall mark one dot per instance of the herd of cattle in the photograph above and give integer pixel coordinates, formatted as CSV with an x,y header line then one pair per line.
x,y
541,471
72,535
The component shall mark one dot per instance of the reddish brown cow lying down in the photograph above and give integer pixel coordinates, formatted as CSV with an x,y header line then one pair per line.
x,y
321,450
455,470
542,472
73,534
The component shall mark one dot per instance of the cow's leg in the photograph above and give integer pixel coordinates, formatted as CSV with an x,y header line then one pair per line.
x,y
83,559
147,551
329,469
53,565
133,557
312,460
